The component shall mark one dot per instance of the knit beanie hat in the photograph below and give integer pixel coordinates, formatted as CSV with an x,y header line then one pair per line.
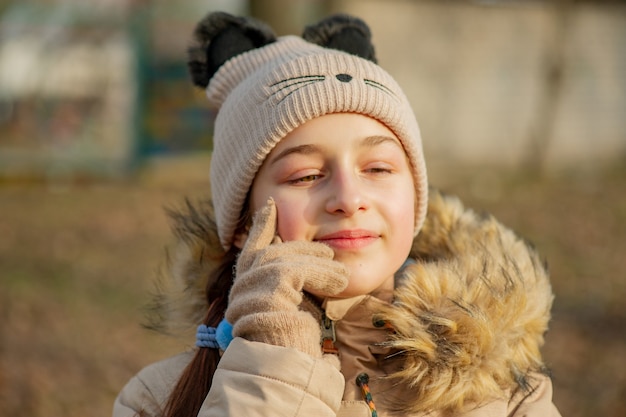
x,y
265,87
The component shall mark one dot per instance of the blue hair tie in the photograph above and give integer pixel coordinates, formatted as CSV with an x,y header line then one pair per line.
x,y
205,337
224,334
214,338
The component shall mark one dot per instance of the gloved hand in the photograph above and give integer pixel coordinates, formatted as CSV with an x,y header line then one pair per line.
x,y
271,274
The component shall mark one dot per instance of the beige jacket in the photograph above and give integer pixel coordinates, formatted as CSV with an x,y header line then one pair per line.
x,y
462,336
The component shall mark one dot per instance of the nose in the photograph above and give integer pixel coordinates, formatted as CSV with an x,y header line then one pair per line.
x,y
346,195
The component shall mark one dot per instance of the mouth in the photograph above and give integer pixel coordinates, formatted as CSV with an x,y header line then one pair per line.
x,y
348,239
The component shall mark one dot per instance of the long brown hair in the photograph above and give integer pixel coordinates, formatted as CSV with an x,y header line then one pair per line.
x,y
192,224
195,382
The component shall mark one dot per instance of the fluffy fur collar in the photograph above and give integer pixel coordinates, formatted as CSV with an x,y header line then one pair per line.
x,y
469,316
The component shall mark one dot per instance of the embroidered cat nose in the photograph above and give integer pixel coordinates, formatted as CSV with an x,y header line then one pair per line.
x,y
344,78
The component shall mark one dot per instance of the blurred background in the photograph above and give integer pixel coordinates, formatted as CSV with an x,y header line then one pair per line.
x,y
522,106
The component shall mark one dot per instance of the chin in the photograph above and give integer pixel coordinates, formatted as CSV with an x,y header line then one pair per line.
x,y
376,290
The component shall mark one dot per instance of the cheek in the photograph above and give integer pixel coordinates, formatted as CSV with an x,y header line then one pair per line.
x,y
289,210
290,222
405,215
401,211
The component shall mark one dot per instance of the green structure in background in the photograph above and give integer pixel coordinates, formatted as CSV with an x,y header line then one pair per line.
x,y
67,93
171,121
82,94
171,116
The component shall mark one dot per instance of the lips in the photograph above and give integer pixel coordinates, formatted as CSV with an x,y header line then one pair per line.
x,y
349,239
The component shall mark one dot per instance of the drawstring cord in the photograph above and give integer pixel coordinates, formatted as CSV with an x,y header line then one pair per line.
x,y
362,381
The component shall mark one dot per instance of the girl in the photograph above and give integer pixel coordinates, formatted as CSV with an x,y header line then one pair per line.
x,y
320,285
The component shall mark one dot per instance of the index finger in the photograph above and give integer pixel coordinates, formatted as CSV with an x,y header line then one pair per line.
x,y
263,227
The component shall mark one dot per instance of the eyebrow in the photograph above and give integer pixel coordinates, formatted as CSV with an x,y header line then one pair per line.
x,y
301,149
308,149
372,141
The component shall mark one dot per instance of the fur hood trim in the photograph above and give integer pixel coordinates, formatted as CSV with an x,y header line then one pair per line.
x,y
179,303
469,317
471,314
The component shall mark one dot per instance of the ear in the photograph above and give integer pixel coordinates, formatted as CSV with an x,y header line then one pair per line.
x,y
219,37
343,32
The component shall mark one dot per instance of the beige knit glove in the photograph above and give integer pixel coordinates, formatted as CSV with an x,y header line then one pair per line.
x,y
271,274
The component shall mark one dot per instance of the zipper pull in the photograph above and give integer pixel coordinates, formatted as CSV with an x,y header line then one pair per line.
x,y
328,335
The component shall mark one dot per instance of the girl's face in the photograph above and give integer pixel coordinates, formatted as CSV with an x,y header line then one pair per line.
x,y
344,180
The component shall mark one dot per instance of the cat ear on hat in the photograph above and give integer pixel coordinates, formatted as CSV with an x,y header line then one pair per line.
x,y
219,37
342,32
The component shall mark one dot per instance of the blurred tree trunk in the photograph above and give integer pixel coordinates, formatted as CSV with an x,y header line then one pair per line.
x,y
289,17
553,73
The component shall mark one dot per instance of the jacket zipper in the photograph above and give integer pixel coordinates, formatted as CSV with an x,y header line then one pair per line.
x,y
328,339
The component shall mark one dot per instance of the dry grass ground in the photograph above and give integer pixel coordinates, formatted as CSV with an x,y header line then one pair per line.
x,y
77,263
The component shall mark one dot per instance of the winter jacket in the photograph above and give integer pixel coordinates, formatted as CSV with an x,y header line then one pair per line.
x,y
462,336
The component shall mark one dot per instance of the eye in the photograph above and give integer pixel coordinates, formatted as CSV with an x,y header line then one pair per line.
x,y
379,170
305,179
